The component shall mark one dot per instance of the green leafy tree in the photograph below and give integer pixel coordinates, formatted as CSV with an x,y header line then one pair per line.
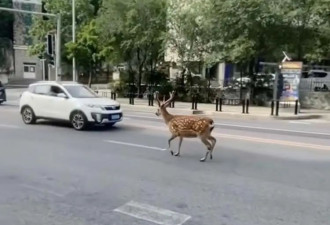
x,y
87,50
85,11
136,34
6,34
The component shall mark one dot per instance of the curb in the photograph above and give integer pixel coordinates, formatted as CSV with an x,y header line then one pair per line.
x,y
151,109
299,117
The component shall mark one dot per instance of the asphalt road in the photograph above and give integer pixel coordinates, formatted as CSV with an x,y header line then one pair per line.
x,y
262,172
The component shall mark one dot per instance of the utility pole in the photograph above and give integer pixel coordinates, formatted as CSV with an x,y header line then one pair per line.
x,y
74,39
58,35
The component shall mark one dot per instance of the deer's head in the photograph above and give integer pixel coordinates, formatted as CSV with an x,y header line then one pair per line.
x,y
162,105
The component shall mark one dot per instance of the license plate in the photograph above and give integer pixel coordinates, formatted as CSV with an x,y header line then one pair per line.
x,y
115,117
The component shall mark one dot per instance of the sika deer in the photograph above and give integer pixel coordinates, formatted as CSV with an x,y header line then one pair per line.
x,y
184,126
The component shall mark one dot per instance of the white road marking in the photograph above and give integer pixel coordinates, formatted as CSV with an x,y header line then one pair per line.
x,y
42,190
248,138
273,129
153,214
249,127
10,126
145,117
300,122
135,145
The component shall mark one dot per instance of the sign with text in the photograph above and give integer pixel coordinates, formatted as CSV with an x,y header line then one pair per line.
x,y
289,81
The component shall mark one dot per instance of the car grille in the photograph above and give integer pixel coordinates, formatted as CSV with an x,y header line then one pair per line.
x,y
109,108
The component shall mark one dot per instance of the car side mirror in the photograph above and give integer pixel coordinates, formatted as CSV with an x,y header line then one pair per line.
x,y
62,95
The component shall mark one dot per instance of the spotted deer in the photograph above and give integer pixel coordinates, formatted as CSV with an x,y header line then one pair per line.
x,y
187,126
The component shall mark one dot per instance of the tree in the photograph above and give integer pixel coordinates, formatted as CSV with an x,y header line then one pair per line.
x,y
87,50
86,11
136,33
6,34
188,33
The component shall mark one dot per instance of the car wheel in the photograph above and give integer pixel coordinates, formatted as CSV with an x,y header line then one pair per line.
x,y
0,103
28,115
78,121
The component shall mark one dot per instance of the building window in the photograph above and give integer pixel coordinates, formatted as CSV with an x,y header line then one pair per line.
x,y
32,69
26,69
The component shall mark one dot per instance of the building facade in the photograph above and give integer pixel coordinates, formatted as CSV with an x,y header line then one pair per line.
x,y
26,66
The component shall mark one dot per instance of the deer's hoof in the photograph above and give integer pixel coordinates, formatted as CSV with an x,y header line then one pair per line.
x,y
172,152
177,154
202,160
211,157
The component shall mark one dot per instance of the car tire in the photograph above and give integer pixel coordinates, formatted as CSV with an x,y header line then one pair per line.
x,y
28,115
79,121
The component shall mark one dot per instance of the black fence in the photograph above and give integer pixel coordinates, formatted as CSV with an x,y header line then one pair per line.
x,y
275,106
219,103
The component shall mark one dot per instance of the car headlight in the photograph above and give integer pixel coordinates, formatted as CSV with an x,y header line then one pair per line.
x,y
95,106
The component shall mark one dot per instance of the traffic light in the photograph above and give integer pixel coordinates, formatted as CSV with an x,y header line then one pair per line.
x,y
50,44
51,60
43,10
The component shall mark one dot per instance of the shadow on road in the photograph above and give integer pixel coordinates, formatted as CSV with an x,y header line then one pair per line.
x,y
92,128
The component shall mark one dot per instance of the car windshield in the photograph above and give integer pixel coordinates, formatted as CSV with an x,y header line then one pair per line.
x,y
80,92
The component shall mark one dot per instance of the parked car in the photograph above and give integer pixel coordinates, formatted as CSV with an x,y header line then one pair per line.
x,y
68,101
2,94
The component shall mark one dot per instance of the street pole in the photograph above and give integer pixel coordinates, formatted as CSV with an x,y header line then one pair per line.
x,y
58,47
43,69
73,38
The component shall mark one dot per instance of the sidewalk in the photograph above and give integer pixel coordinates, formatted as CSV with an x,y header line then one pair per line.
x,y
184,108
254,112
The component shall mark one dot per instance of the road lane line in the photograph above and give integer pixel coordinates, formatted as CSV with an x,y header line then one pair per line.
x,y
152,213
135,145
10,126
33,188
300,122
244,126
273,129
249,138
274,141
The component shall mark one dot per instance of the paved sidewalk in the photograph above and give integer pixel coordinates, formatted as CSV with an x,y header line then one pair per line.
x,y
255,112
227,110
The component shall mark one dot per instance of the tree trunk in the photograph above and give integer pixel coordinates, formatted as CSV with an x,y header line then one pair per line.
x,y
90,78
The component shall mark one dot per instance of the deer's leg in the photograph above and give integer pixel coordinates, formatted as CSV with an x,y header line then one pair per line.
x,y
209,147
180,142
169,142
214,141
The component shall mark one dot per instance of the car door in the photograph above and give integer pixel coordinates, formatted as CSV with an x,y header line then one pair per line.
x,y
40,100
60,107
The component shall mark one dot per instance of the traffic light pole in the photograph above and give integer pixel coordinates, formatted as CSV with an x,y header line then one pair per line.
x,y
58,47
58,35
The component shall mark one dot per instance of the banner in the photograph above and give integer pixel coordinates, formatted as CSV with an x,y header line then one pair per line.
x,y
289,81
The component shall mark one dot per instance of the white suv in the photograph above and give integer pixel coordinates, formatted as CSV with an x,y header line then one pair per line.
x,y
68,101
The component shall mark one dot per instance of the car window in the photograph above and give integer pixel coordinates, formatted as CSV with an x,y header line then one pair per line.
x,y
78,91
42,89
55,90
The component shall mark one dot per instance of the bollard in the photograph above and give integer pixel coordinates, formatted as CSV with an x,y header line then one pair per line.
x,y
247,105
192,103
277,107
243,106
217,104
272,108
220,105
172,104
131,98
296,108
